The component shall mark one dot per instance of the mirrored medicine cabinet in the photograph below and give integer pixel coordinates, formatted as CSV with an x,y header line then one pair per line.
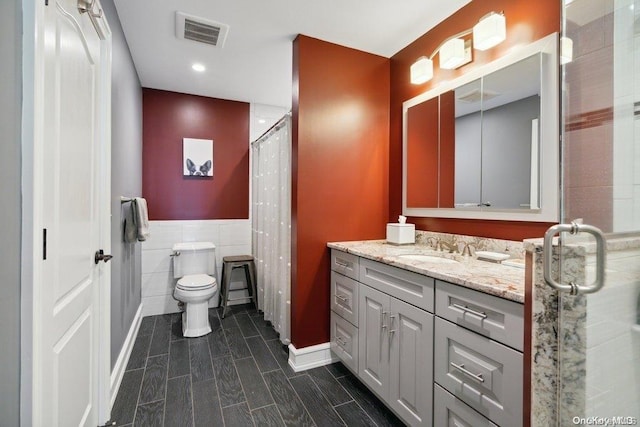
x,y
485,145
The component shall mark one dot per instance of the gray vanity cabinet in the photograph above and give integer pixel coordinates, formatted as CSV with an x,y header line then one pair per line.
x,y
374,351
411,377
344,308
395,354
477,355
461,368
450,411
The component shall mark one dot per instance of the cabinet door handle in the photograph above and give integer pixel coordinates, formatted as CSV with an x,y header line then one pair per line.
x,y
341,341
466,309
392,317
477,377
384,313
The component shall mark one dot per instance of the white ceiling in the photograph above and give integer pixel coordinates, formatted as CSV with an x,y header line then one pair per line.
x,y
255,63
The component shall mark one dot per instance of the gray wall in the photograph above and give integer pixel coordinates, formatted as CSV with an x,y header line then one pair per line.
x,y
126,180
505,150
10,210
468,173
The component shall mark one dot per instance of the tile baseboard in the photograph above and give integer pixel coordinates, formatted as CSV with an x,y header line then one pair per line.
x,y
301,359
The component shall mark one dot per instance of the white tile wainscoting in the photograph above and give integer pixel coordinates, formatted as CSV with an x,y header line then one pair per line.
x,y
231,237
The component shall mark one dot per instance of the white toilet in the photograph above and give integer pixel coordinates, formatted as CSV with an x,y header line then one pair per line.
x,y
194,265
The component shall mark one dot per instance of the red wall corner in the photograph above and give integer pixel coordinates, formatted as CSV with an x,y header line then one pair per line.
x,y
340,170
167,118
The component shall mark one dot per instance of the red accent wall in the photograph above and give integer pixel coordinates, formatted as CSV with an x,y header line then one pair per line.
x,y
447,150
526,22
422,154
167,118
340,169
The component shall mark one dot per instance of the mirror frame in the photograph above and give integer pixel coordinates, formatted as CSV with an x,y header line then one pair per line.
x,y
549,155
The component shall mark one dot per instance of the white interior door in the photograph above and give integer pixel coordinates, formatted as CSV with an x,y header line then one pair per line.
x,y
67,315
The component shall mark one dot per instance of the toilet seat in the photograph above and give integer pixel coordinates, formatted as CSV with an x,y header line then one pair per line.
x,y
196,282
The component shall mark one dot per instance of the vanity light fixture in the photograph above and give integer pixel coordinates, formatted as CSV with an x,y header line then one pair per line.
x,y
198,67
566,50
421,70
455,51
452,54
490,31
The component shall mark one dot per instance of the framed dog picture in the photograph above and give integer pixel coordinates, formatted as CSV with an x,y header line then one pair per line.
x,y
197,157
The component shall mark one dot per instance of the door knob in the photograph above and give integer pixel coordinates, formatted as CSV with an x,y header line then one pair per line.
x,y
100,256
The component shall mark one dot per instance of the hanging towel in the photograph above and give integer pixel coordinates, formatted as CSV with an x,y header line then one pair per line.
x,y
141,218
130,227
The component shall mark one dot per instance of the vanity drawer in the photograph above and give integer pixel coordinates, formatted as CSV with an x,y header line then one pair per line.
x,y
344,341
451,412
407,286
496,318
484,374
345,264
344,297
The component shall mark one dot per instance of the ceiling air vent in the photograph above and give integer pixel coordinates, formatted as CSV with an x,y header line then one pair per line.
x,y
200,30
476,95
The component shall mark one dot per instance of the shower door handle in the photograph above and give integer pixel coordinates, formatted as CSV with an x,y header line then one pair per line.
x,y
574,228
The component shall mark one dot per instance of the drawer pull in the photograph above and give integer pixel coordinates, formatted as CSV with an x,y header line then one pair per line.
x,y
343,298
341,341
466,309
477,377
343,264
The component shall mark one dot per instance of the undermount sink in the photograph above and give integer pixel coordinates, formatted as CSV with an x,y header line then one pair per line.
x,y
428,258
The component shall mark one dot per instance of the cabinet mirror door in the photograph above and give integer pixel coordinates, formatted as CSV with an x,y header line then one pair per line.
x,y
510,100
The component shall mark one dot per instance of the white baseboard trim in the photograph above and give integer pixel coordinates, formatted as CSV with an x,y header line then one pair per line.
x,y
125,353
301,359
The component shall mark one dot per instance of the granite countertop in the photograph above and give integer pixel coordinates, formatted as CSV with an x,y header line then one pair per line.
x,y
488,277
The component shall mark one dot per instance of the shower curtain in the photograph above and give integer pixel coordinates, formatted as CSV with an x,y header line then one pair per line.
x,y
271,224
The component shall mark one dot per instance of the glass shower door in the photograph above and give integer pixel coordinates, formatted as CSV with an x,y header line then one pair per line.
x,y
599,332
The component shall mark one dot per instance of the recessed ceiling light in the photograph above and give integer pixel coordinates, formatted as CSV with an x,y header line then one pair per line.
x,y
262,121
198,67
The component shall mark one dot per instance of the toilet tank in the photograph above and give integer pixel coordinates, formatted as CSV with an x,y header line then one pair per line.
x,y
194,258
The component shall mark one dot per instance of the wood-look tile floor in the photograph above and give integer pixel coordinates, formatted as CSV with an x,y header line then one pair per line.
x,y
237,375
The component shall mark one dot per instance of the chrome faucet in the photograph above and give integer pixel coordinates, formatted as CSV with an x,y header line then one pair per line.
x,y
466,250
451,247
433,242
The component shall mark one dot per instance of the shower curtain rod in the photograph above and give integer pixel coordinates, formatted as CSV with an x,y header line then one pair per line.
x,y
272,129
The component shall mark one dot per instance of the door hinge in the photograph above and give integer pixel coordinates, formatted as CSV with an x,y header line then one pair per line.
x,y
44,243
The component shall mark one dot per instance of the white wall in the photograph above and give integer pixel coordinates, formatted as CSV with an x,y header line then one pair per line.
x,y
626,126
262,117
613,339
231,237
613,332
